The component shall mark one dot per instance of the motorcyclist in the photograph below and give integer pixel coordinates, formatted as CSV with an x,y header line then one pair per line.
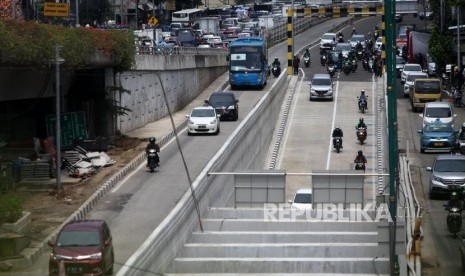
x,y
362,97
361,124
152,145
337,132
359,46
457,79
307,53
276,62
454,201
360,158
354,31
461,133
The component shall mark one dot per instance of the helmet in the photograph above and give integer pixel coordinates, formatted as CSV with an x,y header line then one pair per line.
x,y
152,139
463,125
453,196
360,152
362,92
456,69
275,58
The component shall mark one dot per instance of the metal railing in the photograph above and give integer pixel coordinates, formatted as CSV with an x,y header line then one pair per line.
x,y
178,50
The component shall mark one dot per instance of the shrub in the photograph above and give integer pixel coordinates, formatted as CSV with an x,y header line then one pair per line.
x,y
33,44
10,209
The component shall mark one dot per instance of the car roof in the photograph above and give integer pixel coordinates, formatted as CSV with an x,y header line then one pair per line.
x,y
81,225
450,157
437,104
222,93
321,76
304,191
412,64
203,107
329,34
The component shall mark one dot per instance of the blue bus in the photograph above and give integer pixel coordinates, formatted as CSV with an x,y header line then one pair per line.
x,y
248,62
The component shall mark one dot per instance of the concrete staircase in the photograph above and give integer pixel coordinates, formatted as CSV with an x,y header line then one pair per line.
x,y
241,241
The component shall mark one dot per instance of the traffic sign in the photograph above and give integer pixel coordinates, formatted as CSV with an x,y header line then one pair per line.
x,y
56,9
152,21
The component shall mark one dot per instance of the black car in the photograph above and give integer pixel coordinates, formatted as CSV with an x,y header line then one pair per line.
x,y
225,104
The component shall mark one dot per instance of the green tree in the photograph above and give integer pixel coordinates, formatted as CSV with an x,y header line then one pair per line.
x,y
441,48
94,10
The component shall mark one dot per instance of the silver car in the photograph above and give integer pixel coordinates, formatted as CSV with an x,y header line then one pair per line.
x,y
410,80
447,174
321,87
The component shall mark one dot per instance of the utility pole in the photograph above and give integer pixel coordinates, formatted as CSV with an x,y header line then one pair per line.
x,y
58,117
389,11
77,13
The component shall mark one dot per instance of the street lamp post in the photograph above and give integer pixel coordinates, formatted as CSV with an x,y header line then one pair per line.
x,y
58,60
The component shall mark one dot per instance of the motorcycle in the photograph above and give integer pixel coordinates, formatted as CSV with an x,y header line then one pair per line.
x,y
346,67
361,135
365,64
323,59
454,220
331,70
359,166
363,104
307,61
340,39
337,143
359,54
457,97
460,147
353,65
152,159
276,70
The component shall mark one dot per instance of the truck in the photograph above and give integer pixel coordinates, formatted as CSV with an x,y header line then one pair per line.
x,y
406,7
209,25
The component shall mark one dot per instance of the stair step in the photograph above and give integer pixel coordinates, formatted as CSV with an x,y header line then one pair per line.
x,y
281,265
280,250
282,237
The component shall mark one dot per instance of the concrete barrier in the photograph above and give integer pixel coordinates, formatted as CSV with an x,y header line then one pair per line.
x,y
166,242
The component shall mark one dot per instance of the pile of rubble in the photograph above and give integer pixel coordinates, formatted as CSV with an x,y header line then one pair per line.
x,y
80,163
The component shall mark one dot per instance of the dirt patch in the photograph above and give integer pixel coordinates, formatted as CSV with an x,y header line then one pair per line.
x,y
50,208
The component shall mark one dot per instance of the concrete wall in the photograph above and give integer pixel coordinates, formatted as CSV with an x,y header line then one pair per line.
x,y
183,78
254,133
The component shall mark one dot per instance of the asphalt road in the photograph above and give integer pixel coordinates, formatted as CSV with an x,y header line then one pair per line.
x,y
136,206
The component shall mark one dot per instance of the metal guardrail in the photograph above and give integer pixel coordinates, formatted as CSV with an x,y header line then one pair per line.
x,y
178,50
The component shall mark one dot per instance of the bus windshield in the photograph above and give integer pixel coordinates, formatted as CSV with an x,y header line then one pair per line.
x,y
249,62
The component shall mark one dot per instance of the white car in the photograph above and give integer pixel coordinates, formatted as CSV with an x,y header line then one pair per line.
x,y
438,111
410,80
214,39
327,40
409,68
303,199
203,119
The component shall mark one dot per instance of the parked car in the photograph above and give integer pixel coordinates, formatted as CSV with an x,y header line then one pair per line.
x,y
407,69
225,104
437,137
85,247
303,199
203,119
447,174
321,87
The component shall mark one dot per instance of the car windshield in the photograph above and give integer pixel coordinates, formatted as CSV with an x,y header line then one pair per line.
x,y
303,198
412,78
438,128
327,37
78,238
412,68
449,166
321,82
441,112
221,100
343,47
203,113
